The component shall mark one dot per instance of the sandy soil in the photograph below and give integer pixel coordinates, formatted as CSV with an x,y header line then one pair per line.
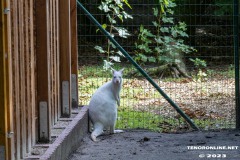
x,y
146,145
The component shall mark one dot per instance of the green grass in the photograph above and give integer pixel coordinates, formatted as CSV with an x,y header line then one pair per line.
x,y
130,119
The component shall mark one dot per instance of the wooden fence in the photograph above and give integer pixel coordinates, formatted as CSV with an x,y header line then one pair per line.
x,y
38,71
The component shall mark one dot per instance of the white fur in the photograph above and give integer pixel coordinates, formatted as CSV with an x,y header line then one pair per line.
x,y
103,106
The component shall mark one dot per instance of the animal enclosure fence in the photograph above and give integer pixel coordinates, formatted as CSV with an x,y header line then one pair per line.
x,y
38,73
207,96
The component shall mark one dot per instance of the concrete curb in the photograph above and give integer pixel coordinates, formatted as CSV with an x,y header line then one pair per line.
x,y
68,140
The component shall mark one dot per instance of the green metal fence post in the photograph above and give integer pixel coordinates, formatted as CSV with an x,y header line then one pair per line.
x,y
138,67
236,56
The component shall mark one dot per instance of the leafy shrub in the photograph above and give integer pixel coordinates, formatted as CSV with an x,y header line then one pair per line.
x,y
165,44
114,10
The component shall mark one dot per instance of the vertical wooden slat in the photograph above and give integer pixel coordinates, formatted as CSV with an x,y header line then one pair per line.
x,y
65,56
15,52
6,129
58,83
2,82
32,72
51,63
58,58
3,97
27,75
55,62
9,82
74,53
54,66
22,77
43,57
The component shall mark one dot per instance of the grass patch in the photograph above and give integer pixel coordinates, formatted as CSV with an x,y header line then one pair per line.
x,y
130,119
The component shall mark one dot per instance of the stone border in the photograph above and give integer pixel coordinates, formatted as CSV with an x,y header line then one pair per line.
x,y
68,140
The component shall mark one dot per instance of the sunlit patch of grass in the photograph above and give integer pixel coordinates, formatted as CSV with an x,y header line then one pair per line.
x,y
130,119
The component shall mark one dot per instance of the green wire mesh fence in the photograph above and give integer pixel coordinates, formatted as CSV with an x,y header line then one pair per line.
x,y
201,82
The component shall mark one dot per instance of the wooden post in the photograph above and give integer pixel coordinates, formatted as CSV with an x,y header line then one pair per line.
x,y
42,63
58,91
22,77
15,52
6,130
3,97
32,74
65,56
74,53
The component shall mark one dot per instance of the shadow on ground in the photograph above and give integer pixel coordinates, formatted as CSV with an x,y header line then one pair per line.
x,y
146,145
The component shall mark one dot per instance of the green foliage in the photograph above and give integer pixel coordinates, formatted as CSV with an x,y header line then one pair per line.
x,y
200,77
165,43
198,62
114,10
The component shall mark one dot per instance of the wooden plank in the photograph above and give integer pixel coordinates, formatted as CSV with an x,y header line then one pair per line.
x,y
22,79
65,53
5,85
17,129
74,53
51,64
55,63
58,59
42,60
2,80
9,83
32,72
56,86
27,75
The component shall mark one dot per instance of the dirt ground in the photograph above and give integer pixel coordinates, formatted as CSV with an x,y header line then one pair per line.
x,y
146,145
